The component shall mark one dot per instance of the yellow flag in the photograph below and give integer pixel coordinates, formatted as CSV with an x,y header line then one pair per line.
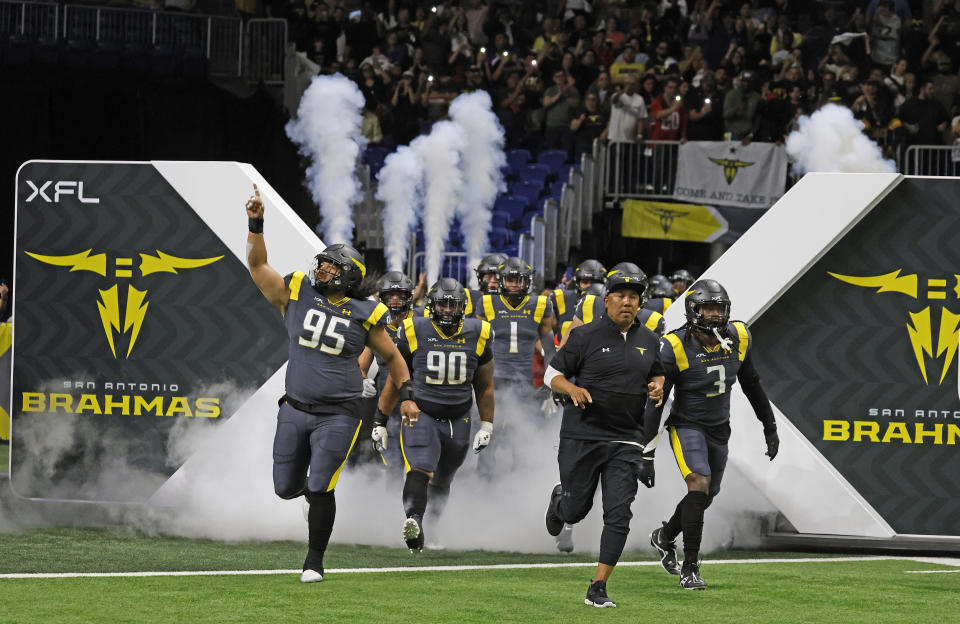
x,y
671,221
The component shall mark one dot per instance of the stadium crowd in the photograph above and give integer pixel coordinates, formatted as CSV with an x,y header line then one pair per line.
x,y
563,73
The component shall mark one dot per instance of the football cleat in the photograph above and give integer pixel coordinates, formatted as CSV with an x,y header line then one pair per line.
x,y
690,577
412,532
597,595
565,539
311,576
554,523
667,550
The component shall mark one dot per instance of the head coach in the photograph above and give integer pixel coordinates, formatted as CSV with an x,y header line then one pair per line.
x,y
615,362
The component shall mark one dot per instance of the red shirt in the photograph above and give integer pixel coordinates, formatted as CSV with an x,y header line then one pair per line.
x,y
668,128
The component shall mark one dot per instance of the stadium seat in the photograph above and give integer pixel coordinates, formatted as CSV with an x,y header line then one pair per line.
x,y
499,218
528,190
517,158
556,188
513,206
499,238
535,172
555,159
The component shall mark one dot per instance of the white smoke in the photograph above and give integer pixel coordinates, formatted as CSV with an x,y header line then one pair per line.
x,y
482,164
443,183
399,189
327,129
831,140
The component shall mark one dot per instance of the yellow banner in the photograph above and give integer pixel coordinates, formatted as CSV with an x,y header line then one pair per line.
x,y
670,221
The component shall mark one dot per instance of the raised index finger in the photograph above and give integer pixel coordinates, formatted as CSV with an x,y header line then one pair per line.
x,y
256,191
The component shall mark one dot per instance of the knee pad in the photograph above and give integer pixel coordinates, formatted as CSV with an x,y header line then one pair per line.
x,y
288,491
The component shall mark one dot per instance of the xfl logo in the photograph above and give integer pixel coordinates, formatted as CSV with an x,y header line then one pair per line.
x,y
61,187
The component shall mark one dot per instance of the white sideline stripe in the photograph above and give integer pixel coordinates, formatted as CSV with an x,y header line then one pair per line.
x,y
931,571
458,568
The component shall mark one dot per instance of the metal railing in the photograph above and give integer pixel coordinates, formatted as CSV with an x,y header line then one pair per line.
x,y
453,264
931,160
31,19
265,50
647,169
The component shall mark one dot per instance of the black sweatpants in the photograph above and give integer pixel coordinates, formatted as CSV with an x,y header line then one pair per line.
x,y
615,466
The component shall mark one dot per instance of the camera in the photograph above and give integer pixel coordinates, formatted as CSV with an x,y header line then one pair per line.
x,y
706,100
483,50
677,98
429,78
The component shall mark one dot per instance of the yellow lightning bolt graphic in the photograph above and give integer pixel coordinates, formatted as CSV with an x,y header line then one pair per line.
x,y
82,261
165,263
109,307
920,337
947,341
891,282
135,314
956,288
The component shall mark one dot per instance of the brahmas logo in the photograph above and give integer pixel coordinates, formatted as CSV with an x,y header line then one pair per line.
x,y
135,307
920,327
731,165
667,216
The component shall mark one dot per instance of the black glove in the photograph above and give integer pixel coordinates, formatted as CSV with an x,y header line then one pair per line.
x,y
646,474
773,443
560,398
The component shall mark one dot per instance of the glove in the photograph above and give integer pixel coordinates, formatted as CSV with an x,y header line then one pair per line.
x,y
773,443
482,439
369,388
559,398
647,473
379,437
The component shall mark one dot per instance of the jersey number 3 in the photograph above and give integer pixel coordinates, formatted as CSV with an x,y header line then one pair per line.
x,y
719,383
314,323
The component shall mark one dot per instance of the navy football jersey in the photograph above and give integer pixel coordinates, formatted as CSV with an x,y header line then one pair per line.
x,y
442,368
702,377
658,304
325,341
565,305
517,330
591,308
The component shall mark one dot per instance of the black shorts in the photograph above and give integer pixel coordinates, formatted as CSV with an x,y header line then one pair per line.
x,y
320,442
696,453
436,445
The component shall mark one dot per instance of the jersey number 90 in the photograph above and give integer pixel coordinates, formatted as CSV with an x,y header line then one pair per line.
x,y
448,368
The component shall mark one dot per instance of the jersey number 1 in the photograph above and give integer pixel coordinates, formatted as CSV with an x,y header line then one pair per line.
x,y
313,322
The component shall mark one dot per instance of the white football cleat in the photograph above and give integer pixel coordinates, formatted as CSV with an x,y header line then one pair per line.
x,y
311,576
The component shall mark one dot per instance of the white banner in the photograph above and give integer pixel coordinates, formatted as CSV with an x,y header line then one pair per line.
x,y
730,174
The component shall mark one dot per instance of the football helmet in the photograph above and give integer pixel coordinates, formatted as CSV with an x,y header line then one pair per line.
x,y
488,265
627,275
588,271
681,275
702,293
596,288
660,286
351,264
515,267
448,301
396,283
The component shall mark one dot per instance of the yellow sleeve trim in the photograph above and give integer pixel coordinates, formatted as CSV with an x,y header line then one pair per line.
x,y
561,301
565,328
744,339
410,333
678,452
295,282
653,321
542,301
488,307
667,302
679,353
469,309
375,316
484,337
587,309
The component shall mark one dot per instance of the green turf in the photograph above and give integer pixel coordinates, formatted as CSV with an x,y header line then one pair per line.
x,y
123,550
4,457
874,592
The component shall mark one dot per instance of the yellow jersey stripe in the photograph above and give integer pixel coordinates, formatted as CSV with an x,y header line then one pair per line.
x,y
406,465
375,316
653,321
484,337
541,308
295,282
488,312
587,308
667,302
678,351
678,452
467,311
744,339
564,328
561,301
411,334
336,475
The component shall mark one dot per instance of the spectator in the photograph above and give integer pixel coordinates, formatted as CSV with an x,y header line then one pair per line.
x,y
740,109
628,114
648,89
370,125
613,33
604,90
629,65
668,115
924,117
512,109
946,83
885,27
586,71
706,111
405,105
587,124
874,110
558,101
894,82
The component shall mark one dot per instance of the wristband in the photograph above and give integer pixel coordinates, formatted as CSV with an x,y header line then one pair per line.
x,y
256,225
406,394
380,419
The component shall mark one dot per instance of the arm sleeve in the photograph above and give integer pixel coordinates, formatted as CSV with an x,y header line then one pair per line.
x,y
750,382
567,360
404,348
652,414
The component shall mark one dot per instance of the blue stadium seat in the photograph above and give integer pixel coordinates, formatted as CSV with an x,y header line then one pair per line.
x,y
516,159
535,172
528,190
512,249
556,188
499,218
513,206
555,159
499,238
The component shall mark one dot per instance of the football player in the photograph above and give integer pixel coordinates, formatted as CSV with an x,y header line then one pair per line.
x,y
681,280
702,361
592,307
451,360
318,421
565,301
659,294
